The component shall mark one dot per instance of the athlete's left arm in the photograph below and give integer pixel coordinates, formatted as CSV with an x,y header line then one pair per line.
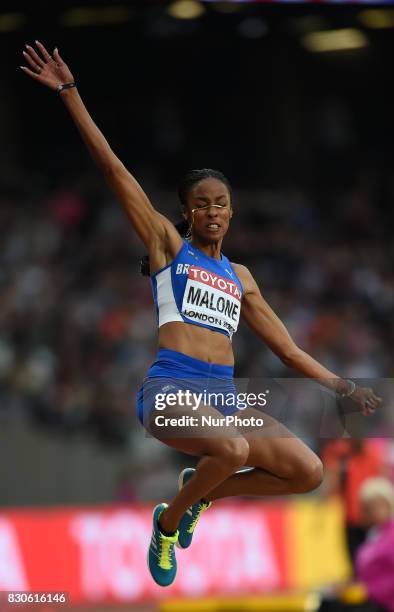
x,y
260,317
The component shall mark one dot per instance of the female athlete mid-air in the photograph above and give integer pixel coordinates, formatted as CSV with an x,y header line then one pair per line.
x,y
199,297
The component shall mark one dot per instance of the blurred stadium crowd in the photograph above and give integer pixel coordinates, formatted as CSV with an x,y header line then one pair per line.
x,y
77,322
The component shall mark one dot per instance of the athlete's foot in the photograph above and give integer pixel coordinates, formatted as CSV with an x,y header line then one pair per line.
x,y
161,555
190,518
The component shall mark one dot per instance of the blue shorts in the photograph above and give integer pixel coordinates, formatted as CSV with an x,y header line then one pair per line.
x,y
173,372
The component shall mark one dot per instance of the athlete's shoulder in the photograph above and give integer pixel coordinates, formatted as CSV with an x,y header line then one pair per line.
x,y
241,271
245,276
239,268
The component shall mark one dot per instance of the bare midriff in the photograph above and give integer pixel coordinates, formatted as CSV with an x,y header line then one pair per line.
x,y
196,341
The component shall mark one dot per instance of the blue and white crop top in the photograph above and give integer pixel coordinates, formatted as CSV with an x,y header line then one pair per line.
x,y
198,289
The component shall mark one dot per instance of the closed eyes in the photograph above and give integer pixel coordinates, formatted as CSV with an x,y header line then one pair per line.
x,y
206,206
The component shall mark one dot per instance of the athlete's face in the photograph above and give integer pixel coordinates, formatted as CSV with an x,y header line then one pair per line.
x,y
209,209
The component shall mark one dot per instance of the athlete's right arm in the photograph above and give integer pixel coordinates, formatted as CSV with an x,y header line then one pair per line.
x,y
155,230
147,222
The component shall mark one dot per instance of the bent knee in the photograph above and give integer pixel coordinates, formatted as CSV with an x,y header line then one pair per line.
x,y
235,452
311,476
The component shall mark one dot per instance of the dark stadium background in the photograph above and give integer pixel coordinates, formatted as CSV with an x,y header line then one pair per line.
x,y
306,138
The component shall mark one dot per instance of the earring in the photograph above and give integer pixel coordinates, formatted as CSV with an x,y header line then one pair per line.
x,y
189,231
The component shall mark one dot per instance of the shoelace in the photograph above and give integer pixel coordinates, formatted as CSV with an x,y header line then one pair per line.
x,y
200,509
165,561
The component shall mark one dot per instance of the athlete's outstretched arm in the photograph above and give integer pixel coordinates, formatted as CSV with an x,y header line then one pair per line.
x,y
264,322
150,225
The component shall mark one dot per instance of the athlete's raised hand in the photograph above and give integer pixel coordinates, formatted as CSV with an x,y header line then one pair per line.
x,y
366,399
156,231
50,70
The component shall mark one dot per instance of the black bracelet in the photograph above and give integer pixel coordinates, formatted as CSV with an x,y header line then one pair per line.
x,y
60,88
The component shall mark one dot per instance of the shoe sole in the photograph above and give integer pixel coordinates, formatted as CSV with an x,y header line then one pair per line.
x,y
180,479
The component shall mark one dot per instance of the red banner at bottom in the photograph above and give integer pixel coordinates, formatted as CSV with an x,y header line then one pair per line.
x,y
99,555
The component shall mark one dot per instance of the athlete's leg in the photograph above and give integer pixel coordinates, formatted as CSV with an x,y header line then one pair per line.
x,y
220,457
282,464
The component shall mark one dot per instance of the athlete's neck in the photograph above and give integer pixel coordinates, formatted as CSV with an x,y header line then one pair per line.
x,y
212,249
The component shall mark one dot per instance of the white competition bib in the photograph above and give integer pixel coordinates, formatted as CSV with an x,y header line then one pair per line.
x,y
211,299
